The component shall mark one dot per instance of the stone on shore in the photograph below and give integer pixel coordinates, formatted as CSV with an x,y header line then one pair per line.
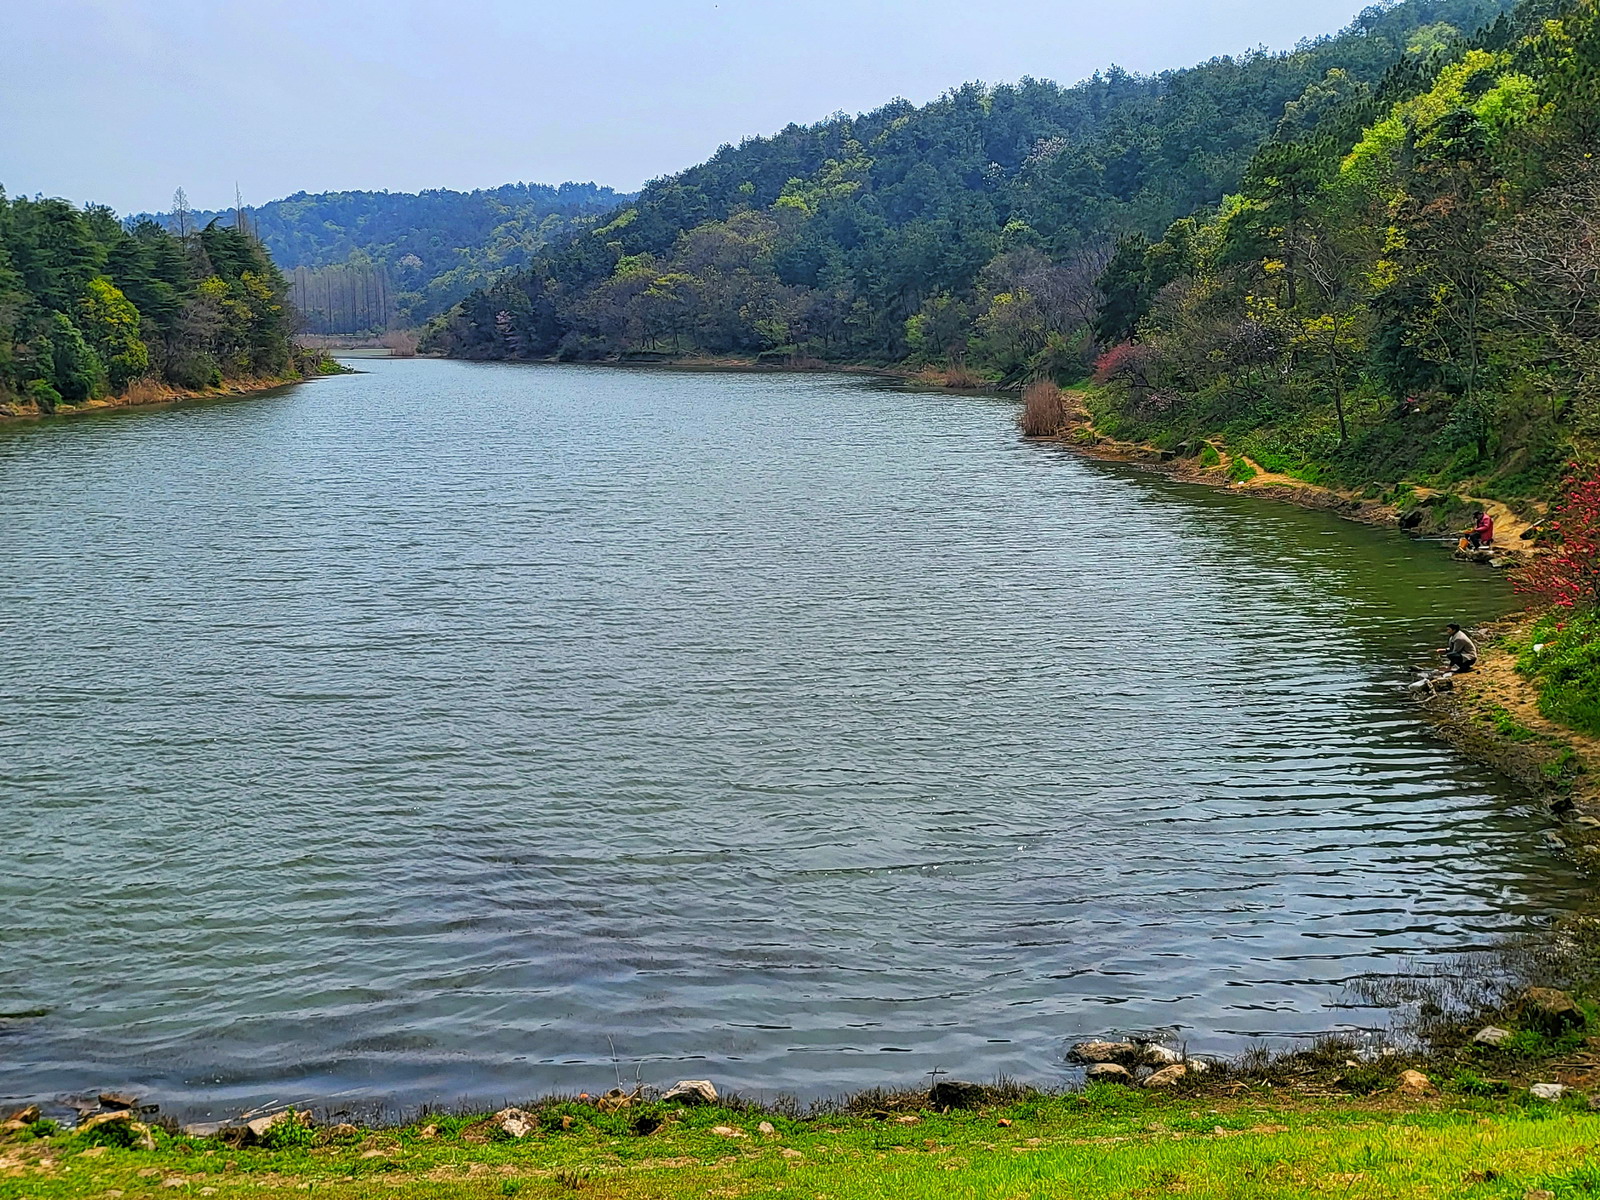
x,y
514,1123
1414,1083
1110,1073
256,1130
1168,1076
1552,1011
1105,1052
118,1100
956,1093
1491,1035
1547,1091
691,1091
19,1120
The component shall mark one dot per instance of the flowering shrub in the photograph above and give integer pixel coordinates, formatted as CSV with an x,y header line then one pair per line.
x,y
1568,576
1130,362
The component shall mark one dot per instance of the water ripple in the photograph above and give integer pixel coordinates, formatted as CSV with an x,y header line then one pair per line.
x,y
422,732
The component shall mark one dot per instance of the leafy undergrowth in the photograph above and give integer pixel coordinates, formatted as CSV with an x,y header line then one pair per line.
x,y
1562,658
1104,1142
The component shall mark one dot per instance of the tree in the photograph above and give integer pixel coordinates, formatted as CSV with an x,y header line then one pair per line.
x,y
78,373
111,325
1550,257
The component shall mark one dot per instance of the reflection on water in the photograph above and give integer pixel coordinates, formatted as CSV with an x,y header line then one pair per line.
x,y
414,733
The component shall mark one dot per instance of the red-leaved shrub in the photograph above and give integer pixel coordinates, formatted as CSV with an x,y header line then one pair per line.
x,y
1130,362
1569,575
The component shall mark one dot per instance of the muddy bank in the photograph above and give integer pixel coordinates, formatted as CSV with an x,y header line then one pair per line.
x,y
1492,715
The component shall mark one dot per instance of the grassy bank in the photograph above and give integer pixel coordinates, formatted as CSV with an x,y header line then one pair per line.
x,y
1105,1142
1459,1118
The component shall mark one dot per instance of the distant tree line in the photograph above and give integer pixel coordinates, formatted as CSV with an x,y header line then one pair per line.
x,y
363,262
355,297
967,233
90,307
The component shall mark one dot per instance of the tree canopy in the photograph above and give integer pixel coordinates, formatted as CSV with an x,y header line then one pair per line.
x,y
1411,289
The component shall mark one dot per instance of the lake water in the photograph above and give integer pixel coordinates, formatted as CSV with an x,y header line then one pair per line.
x,y
426,734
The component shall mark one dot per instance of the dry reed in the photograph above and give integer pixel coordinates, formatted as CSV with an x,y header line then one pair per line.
x,y
1043,412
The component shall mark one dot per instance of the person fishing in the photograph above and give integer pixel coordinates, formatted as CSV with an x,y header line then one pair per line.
x,y
1460,652
1481,534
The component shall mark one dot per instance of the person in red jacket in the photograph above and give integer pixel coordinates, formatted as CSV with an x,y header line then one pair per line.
x,y
1482,533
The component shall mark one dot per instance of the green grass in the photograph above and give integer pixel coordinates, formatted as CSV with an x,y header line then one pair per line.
x,y
1106,1142
1507,726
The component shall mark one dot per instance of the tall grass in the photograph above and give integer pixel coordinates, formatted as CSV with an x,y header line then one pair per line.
x,y
1043,410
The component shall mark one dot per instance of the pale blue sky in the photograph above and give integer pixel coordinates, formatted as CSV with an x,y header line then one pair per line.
x,y
121,101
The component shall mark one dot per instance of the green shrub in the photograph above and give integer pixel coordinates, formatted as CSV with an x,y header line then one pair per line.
x,y
42,394
1209,456
1566,670
1469,1083
120,1135
292,1133
1241,471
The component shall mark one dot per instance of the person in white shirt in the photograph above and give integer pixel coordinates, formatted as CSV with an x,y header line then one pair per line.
x,y
1460,653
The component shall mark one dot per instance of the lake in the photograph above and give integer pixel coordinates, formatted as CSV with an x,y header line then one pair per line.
x,y
469,731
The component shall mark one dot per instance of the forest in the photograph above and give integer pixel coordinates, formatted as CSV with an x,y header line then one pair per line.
x,y
91,307
1410,290
967,233
365,262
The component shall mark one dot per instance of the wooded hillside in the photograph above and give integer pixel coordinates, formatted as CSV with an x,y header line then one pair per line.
x,y
967,231
363,262
1409,291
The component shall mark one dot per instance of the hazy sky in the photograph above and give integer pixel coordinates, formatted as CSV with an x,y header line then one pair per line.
x,y
121,101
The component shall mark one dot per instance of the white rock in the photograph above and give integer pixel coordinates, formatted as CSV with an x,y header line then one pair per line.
x,y
691,1091
514,1123
1547,1091
1491,1035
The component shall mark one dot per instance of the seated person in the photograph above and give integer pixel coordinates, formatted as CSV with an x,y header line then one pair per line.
x,y
1481,534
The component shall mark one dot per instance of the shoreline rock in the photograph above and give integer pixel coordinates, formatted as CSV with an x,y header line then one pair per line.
x,y
691,1091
